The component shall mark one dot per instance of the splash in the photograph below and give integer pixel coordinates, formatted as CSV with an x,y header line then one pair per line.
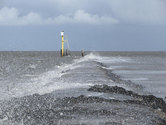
x,y
52,80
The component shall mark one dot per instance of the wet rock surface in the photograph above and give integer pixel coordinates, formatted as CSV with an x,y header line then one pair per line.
x,y
47,110
148,100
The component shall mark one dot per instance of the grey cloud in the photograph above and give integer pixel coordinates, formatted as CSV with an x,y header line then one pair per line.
x,y
11,16
140,11
126,11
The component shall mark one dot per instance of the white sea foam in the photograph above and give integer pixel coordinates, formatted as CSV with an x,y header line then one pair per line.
x,y
31,66
115,59
136,79
140,72
89,57
62,77
51,80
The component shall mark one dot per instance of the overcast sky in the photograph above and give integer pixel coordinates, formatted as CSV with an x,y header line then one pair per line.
x,y
111,25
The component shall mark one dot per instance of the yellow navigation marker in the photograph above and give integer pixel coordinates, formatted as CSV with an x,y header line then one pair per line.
x,y
62,34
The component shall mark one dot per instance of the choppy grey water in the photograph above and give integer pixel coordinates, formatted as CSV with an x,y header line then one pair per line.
x,y
26,73
147,69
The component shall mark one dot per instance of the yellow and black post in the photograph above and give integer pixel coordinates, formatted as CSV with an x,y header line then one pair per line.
x,y
62,51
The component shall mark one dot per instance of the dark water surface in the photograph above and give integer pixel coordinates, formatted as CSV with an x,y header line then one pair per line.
x,y
43,88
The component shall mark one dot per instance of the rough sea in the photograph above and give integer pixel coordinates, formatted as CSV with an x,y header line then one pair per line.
x,y
101,88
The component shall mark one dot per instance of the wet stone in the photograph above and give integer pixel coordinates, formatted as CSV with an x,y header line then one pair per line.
x,y
148,100
45,109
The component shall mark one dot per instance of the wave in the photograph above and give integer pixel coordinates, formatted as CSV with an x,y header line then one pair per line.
x,y
81,73
52,80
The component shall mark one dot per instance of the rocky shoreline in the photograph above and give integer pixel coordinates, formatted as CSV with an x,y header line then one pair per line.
x,y
45,109
148,100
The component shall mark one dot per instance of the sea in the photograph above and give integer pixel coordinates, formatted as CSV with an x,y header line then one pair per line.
x,y
45,76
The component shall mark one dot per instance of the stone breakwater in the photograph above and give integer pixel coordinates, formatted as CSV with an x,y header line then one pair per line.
x,y
148,100
48,110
